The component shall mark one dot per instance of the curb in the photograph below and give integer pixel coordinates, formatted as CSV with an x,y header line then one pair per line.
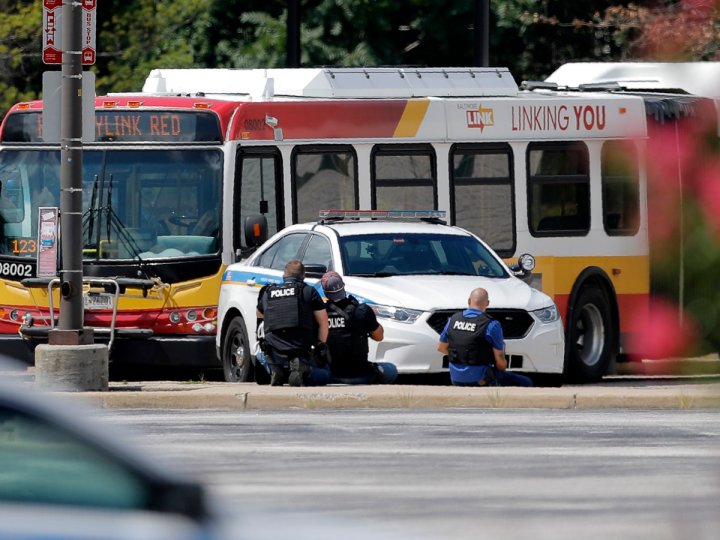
x,y
248,396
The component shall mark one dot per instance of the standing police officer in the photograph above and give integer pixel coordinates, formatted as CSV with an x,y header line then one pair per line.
x,y
474,342
351,323
295,321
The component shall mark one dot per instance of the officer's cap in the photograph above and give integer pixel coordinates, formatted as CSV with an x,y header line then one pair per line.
x,y
333,285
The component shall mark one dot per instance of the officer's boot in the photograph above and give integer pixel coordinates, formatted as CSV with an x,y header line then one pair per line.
x,y
299,370
278,375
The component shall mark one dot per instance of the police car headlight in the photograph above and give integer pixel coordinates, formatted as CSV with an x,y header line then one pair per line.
x,y
403,315
546,315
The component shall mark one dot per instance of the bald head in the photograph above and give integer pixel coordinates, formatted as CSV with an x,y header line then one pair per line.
x,y
478,299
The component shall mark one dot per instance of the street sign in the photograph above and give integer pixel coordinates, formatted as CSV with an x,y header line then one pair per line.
x,y
52,96
52,32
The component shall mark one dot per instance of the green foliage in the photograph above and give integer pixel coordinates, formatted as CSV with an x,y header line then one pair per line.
x,y
20,43
138,36
531,37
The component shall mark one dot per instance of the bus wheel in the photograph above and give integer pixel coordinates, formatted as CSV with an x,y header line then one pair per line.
x,y
589,336
237,366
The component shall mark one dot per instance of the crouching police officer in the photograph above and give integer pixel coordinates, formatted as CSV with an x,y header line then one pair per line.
x,y
474,342
350,325
295,321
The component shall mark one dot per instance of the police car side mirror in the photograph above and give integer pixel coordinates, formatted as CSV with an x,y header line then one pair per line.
x,y
315,270
525,264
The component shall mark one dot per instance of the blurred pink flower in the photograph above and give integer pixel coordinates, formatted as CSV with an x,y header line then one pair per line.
x,y
708,190
658,333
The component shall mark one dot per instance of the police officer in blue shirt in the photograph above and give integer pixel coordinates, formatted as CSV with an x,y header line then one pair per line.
x,y
474,342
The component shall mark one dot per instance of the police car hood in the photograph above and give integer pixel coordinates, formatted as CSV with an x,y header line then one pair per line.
x,y
428,293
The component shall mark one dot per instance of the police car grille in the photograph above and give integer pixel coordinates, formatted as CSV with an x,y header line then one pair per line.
x,y
439,319
515,322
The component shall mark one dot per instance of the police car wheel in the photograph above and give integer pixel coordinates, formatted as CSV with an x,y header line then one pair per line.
x,y
237,366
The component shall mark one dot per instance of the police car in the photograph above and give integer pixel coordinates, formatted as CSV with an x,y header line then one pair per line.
x,y
414,271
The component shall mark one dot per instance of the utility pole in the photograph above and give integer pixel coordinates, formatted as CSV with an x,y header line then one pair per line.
x,y
71,360
482,33
71,331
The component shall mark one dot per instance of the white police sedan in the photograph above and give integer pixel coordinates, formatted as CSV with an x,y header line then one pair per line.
x,y
414,271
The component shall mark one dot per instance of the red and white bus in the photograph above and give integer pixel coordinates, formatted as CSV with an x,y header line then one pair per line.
x,y
176,170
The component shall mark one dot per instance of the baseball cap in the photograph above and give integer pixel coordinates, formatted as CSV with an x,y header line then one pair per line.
x,y
333,285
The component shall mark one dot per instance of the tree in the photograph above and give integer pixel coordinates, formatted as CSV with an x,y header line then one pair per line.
x,y
137,36
20,43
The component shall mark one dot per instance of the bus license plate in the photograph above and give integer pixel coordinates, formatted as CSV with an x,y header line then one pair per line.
x,y
98,301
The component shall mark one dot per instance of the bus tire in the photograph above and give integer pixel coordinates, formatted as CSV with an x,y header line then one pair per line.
x,y
589,339
237,366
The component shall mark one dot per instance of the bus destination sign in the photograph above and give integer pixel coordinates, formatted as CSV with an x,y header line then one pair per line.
x,y
126,126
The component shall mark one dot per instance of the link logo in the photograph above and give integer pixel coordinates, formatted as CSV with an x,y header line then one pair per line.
x,y
481,117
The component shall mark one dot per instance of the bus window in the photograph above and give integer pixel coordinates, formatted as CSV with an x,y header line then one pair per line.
x,y
258,190
324,178
29,179
152,204
11,198
558,189
620,188
404,177
482,194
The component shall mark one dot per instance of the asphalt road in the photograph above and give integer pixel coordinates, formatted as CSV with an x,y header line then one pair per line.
x,y
460,474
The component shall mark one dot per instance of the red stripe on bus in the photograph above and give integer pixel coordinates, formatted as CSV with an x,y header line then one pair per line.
x,y
347,119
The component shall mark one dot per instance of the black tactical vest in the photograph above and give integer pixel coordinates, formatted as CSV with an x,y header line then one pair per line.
x,y
348,344
286,308
466,340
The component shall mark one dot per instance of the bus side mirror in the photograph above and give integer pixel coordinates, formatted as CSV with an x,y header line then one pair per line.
x,y
525,264
256,230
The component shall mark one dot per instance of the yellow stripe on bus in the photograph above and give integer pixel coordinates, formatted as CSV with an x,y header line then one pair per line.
x,y
628,274
412,117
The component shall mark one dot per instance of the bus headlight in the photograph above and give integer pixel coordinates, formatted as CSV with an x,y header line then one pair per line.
x,y
546,315
403,315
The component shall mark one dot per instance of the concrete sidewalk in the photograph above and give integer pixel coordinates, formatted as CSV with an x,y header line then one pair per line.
x,y
642,388
250,396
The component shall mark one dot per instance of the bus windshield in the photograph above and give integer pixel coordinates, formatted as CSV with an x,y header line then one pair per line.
x,y
137,204
388,254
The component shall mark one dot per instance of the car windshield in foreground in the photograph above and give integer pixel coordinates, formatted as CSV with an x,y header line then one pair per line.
x,y
393,254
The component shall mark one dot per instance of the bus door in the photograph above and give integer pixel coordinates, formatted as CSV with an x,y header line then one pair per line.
x,y
258,190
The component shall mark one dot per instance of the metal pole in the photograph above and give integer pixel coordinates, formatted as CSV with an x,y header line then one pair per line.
x,y
293,34
681,232
71,159
482,33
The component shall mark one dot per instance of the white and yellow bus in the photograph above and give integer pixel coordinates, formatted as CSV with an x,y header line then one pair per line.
x,y
558,174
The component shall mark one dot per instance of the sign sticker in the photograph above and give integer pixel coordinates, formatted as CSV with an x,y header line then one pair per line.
x,y
47,242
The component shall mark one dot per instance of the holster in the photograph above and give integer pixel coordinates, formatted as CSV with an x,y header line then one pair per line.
x,y
490,378
321,355
264,347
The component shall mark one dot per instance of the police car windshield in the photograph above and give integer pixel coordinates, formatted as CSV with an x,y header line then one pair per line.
x,y
384,255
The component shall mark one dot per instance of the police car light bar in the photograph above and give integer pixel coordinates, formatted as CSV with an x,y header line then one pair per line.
x,y
382,214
